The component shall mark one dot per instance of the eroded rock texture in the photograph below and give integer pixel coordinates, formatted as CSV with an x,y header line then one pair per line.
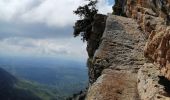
x,y
118,69
151,86
116,61
98,27
153,17
93,43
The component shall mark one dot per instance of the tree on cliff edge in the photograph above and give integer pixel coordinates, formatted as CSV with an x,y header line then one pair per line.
x,y
86,13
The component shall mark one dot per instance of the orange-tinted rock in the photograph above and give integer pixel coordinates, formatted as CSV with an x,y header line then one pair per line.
x,y
151,86
116,62
153,18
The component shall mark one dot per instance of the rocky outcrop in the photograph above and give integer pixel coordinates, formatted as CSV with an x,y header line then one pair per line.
x,y
93,43
114,85
118,8
153,17
117,61
98,27
152,86
118,69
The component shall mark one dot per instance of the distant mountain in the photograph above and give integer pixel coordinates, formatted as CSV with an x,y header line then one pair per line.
x,y
8,90
13,89
61,75
6,80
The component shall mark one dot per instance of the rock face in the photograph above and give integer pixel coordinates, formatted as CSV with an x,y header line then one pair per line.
x,y
151,86
132,58
117,60
154,18
93,43
98,27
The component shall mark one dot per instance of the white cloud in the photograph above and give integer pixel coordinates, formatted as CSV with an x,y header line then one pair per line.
x,y
104,7
56,13
68,47
10,9
51,12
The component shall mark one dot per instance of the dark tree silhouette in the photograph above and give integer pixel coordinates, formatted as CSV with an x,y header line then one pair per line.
x,y
86,13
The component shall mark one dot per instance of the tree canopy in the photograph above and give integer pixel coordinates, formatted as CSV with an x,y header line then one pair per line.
x,y
86,13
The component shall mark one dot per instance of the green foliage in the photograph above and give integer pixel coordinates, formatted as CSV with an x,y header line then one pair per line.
x,y
41,91
61,81
86,13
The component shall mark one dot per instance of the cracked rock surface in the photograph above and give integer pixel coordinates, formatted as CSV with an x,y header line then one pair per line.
x,y
117,61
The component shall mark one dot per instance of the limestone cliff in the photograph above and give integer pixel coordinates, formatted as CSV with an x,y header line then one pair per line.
x,y
119,55
129,53
153,17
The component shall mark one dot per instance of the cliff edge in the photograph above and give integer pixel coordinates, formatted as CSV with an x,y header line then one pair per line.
x,y
131,58
119,55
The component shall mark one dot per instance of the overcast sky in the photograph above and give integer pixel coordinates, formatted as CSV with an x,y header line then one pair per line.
x,y
42,27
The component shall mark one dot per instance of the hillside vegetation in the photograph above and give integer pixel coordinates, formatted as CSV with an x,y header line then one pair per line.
x,y
12,88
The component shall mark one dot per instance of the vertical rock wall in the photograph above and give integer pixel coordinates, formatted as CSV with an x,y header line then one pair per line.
x,y
117,69
153,17
93,43
116,61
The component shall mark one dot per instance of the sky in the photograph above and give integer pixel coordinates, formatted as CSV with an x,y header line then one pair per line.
x,y
42,28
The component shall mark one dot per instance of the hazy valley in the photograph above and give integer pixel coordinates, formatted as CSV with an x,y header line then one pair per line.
x,y
61,78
